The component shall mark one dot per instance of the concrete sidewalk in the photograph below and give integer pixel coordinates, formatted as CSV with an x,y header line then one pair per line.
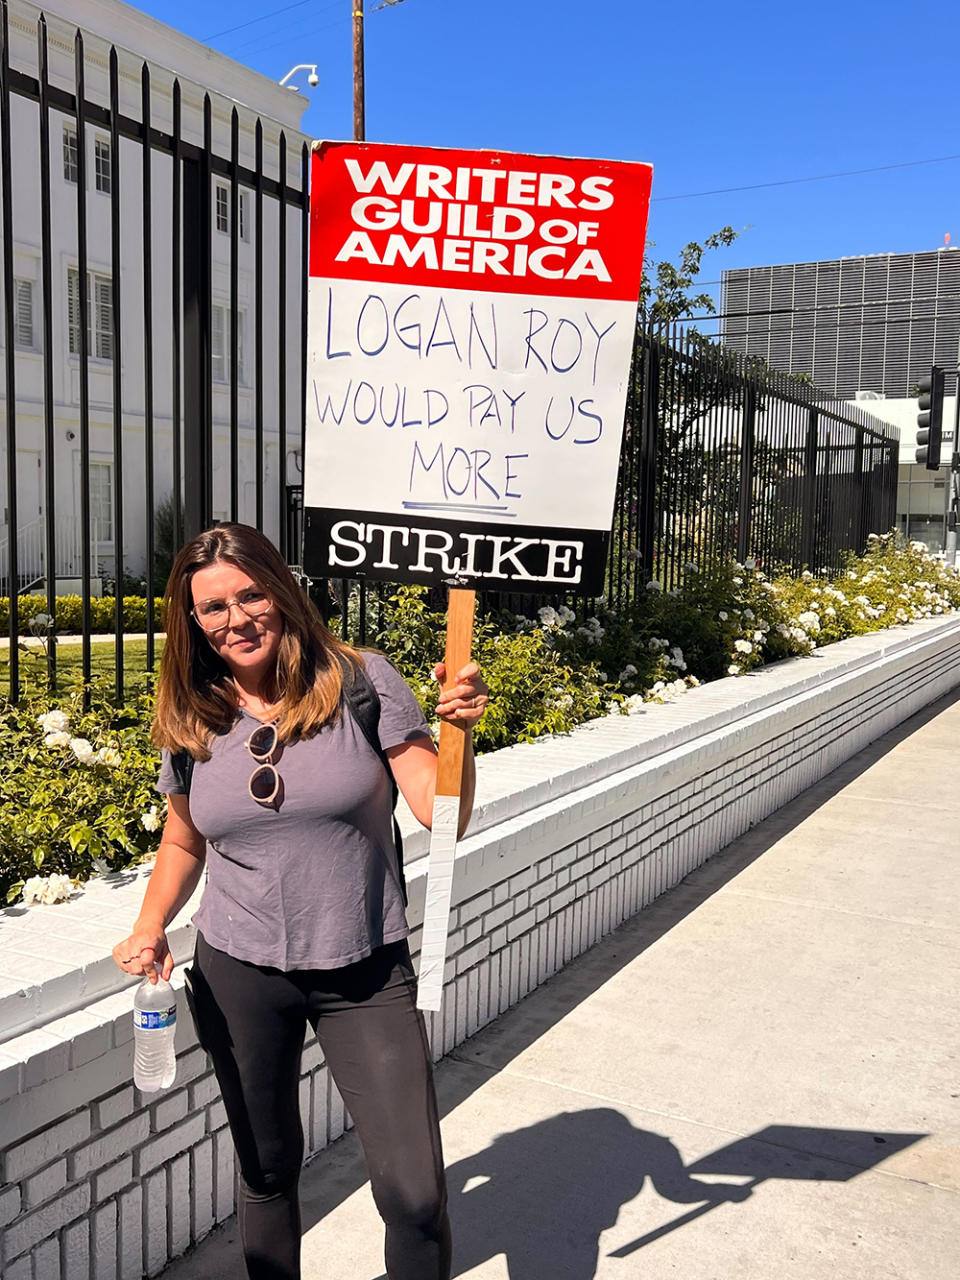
x,y
758,1077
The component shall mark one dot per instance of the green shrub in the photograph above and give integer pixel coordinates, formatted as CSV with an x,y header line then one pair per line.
x,y
73,799
68,616
533,691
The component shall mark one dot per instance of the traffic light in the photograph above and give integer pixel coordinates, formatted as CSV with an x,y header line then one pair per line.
x,y
930,420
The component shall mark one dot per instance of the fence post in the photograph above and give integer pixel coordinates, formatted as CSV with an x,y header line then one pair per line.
x,y
860,514
650,396
747,440
197,506
10,385
810,488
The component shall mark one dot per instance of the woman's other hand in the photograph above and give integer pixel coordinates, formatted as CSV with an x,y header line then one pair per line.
x,y
465,701
145,953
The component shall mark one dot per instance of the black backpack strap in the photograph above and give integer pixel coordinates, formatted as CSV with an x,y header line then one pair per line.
x,y
182,763
360,695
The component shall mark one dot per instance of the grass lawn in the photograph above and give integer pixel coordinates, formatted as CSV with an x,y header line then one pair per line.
x,y
33,665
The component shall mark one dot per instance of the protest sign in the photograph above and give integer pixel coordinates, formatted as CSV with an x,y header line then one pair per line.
x,y
471,322
471,318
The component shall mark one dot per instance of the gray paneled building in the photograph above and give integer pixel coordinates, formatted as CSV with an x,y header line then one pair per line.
x,y
868,324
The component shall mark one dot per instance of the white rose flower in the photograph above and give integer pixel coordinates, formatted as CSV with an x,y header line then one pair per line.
x,y
110,756
653,585
32,889
749,614
83,750
743,646
47,889
54,722
548,616
758,637
56,739
565,615
737,582
723,615
733,670
750,564
602,677
58,889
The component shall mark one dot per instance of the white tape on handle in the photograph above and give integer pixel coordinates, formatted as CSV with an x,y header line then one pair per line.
x,y
436,911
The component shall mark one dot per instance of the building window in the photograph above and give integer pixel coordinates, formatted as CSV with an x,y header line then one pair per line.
x,y
71,154
101,502
223,211
220,345
24,335
99,314
101,160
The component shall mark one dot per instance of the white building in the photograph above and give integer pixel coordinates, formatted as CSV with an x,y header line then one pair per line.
x,y
170,56
921,494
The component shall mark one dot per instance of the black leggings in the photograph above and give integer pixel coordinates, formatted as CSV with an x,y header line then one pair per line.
x,y
251,1020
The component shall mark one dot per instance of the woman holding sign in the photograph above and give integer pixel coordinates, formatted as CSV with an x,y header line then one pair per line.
x,y
282,749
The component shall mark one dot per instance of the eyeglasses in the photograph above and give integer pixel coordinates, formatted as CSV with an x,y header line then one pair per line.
x,y
265,785
214,615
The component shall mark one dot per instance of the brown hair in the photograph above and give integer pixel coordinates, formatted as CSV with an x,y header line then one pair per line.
x,y
195,696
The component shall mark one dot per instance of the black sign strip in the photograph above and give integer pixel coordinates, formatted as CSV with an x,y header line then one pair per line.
x,y
410,547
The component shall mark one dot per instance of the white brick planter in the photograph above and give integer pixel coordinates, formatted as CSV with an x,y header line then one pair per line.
x,y
571,836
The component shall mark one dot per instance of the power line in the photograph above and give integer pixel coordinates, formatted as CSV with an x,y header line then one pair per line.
x,y
262,18
820,330
306,28
820,177
837,306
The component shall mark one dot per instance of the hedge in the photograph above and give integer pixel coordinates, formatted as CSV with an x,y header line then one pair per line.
x,y
68,614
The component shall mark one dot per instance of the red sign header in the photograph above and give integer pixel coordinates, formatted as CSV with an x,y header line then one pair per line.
x,y
479,220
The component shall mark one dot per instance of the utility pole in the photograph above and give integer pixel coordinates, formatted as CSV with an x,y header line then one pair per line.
x,y
359,124
954,512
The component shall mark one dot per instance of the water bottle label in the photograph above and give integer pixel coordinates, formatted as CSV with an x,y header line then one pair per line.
x,y
144,1019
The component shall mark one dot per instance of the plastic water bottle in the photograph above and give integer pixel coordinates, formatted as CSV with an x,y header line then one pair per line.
x,y
154,1029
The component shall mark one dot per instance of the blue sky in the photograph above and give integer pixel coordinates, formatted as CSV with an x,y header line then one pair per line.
x,y
714,96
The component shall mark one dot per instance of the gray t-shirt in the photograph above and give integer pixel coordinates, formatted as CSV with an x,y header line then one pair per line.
x,y
313,884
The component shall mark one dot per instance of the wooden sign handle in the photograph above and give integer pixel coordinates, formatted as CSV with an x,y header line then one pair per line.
x,y
460,611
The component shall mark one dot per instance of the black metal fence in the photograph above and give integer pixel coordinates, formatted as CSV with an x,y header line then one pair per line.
x,y
726,458
721,458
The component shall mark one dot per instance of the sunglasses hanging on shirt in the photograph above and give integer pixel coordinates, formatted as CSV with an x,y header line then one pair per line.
x,y
265,785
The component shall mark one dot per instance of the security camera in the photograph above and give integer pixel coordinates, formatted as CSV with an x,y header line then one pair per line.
x,y
313,79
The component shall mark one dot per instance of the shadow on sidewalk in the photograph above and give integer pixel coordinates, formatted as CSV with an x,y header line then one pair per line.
x,y
542,1196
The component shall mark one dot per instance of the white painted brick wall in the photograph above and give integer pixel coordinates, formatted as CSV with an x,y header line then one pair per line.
x,y
570,837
